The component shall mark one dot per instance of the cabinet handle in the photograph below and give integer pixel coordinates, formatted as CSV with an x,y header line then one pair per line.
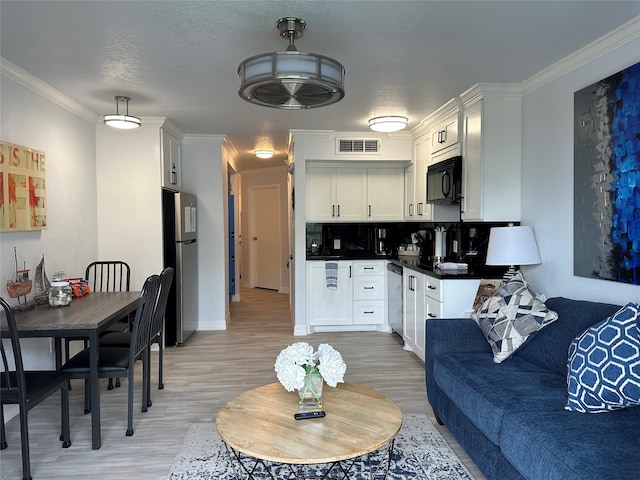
x,y
369,288
431,287
338,210
431,315
333,210
419,208
368,268
411,209
368,313
349,271
444,136
369,210
174,178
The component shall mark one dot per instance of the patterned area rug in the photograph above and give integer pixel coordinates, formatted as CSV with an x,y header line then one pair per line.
x,y
420,452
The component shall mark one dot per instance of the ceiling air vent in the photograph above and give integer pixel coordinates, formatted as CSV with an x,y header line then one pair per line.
x,y
358,146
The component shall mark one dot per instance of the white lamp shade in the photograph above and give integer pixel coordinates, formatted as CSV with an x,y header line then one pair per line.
x,y
512,246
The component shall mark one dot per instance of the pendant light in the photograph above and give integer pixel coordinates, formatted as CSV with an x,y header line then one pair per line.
x,y
122,121
291,80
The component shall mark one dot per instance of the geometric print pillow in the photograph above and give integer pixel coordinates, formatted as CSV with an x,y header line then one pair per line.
x,y
604,364
511,316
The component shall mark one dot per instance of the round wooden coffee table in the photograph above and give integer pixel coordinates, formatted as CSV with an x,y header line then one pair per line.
x,y
259,424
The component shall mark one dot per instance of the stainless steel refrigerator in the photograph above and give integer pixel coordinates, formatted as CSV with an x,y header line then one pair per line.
x,y
180,241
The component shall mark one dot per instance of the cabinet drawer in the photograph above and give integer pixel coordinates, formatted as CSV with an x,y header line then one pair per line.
x,y
432,308
368,288
368,268
433,289
368,313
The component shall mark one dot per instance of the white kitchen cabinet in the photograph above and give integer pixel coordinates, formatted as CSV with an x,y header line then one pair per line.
x,y
445,134
326,306
340,194
385,194
413,284
491,151
336,194
171,159
369,291
449,298
359,302
416,208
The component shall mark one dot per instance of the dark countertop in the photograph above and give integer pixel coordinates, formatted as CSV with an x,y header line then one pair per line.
x,y
415,265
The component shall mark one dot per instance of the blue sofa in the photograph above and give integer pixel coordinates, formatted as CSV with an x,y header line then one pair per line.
x,y
510,417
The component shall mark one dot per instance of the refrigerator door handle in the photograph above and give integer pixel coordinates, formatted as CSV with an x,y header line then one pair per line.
x,y
186,242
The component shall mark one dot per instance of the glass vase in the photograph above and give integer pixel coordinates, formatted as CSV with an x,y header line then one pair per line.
x,y
310,395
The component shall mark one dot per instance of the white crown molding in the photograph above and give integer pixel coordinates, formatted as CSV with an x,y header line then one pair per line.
x,y
22,77
605,44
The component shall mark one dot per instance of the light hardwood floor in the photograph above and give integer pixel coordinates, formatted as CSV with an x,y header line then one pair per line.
x,y
200,377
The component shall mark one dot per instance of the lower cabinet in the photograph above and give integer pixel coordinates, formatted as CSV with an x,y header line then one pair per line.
x,y
413,284
426,297
358,302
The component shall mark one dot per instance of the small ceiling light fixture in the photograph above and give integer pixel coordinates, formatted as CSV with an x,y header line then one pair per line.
x,y
387,124
263,153
291,80
123,121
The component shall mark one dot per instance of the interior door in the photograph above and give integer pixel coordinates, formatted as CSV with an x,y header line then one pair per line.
x,y
265,251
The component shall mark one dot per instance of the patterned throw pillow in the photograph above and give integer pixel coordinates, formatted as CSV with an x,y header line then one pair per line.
x,y
604,364
511,316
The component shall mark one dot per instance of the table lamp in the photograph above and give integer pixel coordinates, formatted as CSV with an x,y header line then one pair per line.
x,y
510,246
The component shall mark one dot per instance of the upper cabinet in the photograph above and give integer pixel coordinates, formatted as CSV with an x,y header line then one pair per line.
x,y
445,132
491,152
170,155
415,208
340,194
385,194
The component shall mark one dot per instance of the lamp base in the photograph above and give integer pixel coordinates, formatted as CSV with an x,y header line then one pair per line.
x,y
509,273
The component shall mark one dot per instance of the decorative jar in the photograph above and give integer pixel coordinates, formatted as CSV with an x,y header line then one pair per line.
x,y
310,394
60,294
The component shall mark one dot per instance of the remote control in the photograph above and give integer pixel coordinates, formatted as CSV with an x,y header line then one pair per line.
x,y
305,415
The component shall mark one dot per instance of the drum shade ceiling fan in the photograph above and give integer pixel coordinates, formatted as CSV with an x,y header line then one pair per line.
x,y
291,80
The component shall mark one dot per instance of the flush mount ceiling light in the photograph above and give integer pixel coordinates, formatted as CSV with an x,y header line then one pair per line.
x,y
387,124
123,121
263,153
291,80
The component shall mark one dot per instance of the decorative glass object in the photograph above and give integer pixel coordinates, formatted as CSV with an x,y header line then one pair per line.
x,y
310,394
60,294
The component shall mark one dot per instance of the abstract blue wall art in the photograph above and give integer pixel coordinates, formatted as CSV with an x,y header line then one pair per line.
x,y
606,234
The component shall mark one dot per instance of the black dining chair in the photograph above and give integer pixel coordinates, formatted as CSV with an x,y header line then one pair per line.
x,y
120,362
107,276
122,339
27,389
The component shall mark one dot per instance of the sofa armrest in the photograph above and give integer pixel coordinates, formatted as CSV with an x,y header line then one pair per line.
x,y
442,336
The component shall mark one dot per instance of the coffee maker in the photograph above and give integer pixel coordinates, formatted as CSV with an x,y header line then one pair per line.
x,y
381,241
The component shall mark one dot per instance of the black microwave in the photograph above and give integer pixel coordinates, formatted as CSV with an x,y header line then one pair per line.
x,y
444,181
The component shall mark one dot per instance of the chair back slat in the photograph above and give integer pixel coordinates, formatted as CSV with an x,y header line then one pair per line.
x,y
14,377
108,276
166,277
144,316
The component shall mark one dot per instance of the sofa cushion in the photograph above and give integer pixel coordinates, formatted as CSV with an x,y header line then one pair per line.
x,y
557,444
548,348
604,364
485,391
511,316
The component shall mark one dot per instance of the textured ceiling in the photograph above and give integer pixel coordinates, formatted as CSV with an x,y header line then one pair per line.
x,y
179,59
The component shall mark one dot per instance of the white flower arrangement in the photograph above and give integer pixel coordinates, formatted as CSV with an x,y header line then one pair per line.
x,y
295,361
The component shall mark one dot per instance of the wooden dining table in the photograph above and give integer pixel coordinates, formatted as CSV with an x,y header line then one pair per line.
x,y
85,317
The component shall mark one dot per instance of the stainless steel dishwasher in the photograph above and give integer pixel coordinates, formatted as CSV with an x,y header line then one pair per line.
x,y
394,294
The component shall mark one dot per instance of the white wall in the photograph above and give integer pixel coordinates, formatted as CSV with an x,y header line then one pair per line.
x,y
70,241
204,174
129,198
267,176
547,170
